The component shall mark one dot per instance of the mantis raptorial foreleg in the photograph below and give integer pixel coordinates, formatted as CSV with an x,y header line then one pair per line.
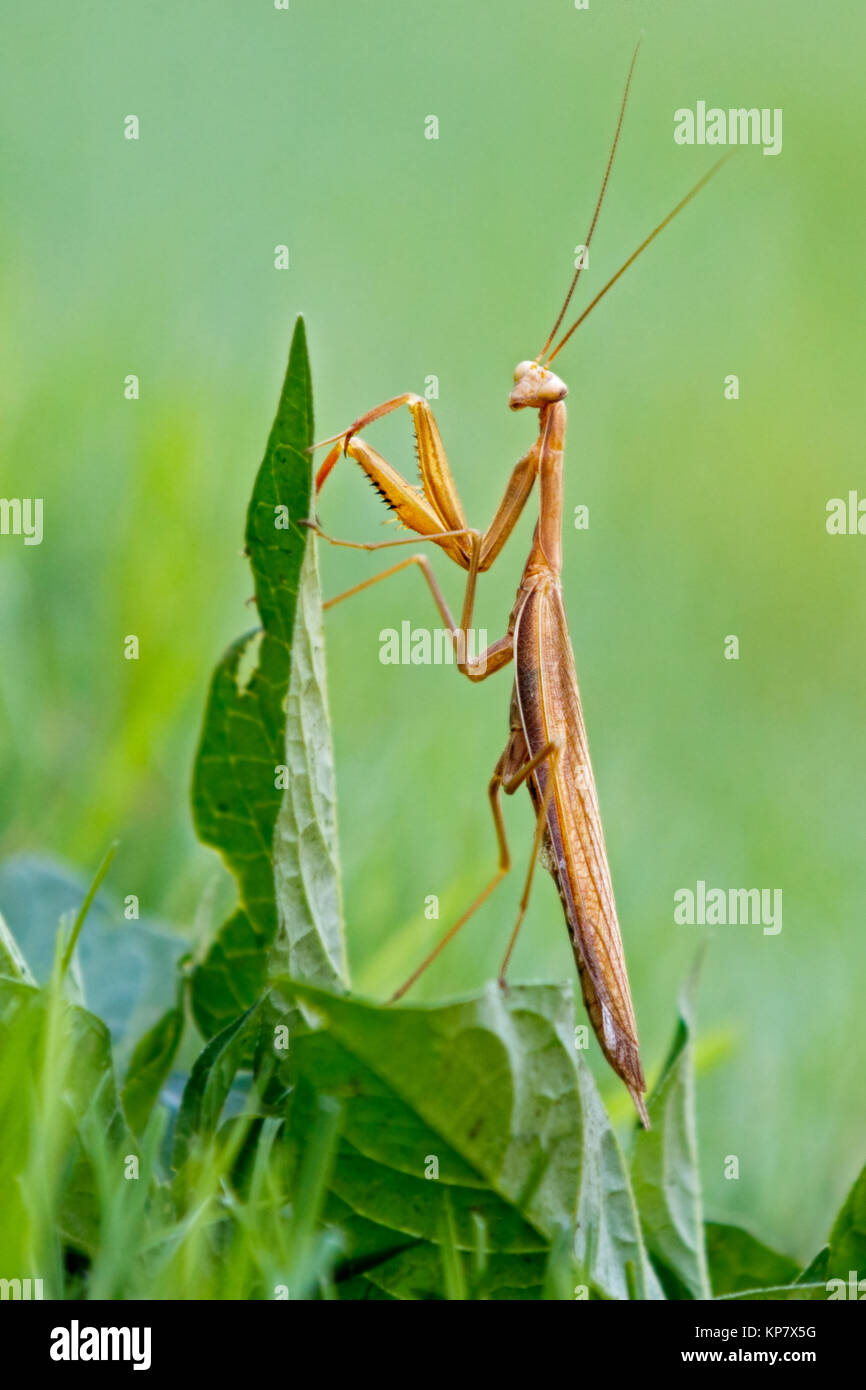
x,y
437,507
436,514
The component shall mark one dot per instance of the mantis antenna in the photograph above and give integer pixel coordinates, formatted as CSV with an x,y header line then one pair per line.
x,y
572,287
634,255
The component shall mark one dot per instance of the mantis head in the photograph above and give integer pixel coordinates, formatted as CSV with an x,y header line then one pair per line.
x,y
535,386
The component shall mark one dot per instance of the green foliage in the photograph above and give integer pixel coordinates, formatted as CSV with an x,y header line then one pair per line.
x,y
126,969
210,1081
471,1128
57,1078
665,1170
310,943
236,797
149,1067
739,1261
12,962
848,1236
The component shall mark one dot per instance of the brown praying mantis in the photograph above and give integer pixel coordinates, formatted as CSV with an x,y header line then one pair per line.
x,y
547,744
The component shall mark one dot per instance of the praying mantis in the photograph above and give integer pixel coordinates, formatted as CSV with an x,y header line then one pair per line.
x,y
547,746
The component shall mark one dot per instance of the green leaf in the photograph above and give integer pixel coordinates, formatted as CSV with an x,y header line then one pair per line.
x,y
128,968
809,1286
310,943
60,1076
79,1040
738,1261
491,1096
665,1171
816,1269
848,1236
210,1082
417,1273
149,1067
12,962
71,940
779,1293
236,796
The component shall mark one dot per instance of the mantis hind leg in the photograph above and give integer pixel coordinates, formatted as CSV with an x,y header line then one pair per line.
x,y
493,792
511,772
551,751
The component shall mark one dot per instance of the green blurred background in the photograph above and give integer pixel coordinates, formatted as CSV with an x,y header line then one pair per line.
x,y
412,257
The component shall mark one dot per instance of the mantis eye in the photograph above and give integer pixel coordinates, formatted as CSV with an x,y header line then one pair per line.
x,y
522,368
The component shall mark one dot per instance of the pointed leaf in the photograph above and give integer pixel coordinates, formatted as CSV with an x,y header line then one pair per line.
x,y
210,1082
12,962
665,1171
848,1237
737,1261
149,1067
237,792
